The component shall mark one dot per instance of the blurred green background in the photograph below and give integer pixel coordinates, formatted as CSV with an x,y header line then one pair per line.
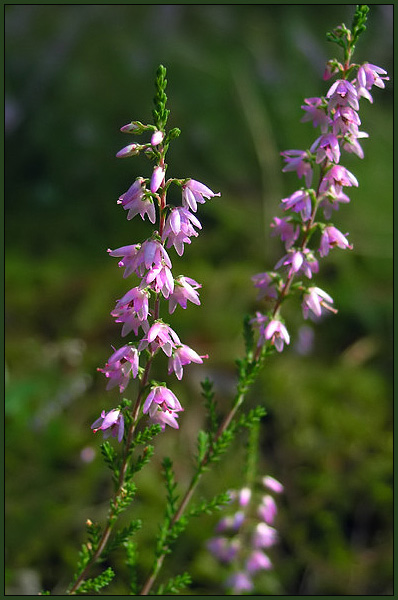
x,y
237,77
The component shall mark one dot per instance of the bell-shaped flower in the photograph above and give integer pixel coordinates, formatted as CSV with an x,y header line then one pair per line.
x,y
342,93
332,237
163,397
314,299
194,192
315,111
258,561
265,283
286,230
239,582
181,356
299,202
277,333
111,423
137,203
336,178
327,148
162,336
298,160
120,366
179,227
264,536
184,290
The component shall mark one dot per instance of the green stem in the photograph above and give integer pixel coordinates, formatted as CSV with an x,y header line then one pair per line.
x,y
190,491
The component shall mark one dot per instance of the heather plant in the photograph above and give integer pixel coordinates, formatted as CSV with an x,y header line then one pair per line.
x,y
247,530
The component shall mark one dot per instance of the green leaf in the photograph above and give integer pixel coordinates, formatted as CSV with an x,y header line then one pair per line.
x,y
174,585
96,584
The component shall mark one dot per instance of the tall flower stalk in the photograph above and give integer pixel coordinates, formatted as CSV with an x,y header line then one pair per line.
x,y
140,312
306,228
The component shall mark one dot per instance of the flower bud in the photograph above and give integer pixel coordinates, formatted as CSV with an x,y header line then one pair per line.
x,y
157,138
130,150
156,179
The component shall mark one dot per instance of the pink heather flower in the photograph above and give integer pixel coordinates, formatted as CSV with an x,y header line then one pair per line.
x,y
286,230
327,147
277,333
272,484
346,120
336,178
299,201
369,75
331,202
129,254
351,144
264,282
258,561
181,356
184,290
315,112
160,335
267,509
239,582
332,237
137,300
121,364
298,160
157,138
161,416
130,150
132,310
111,422
135,201
223,549
314,299
300,261
163,397
244,496
193,192
156,179
160,279
342,93
179,228
224,524
305,340
264,536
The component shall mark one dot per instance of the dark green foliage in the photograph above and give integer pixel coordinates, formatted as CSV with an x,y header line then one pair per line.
x,y
96,584
136,465
160,112
146,435
209,506
111,458
122,500
131,562
347,38
174,585
211,406
122,537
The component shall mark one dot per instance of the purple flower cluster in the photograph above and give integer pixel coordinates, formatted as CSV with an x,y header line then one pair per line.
x,y
244,537
336,115
149,262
